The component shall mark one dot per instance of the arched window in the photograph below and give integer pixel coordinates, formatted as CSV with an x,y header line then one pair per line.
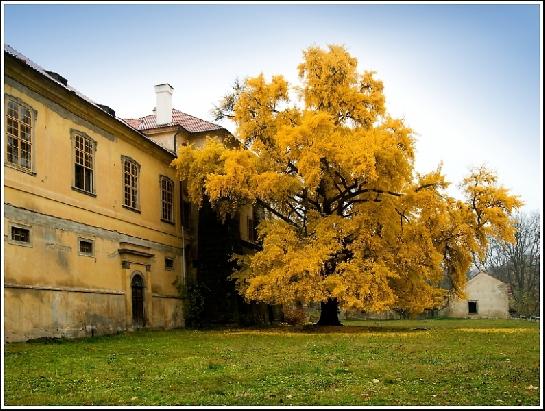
x,y
137,291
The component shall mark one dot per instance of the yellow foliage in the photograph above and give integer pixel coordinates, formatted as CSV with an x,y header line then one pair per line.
x,y
348,217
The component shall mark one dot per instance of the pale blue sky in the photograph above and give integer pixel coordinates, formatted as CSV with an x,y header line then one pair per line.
x,y
465,77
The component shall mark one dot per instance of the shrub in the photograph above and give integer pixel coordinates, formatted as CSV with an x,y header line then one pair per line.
x,y
294,314
194,300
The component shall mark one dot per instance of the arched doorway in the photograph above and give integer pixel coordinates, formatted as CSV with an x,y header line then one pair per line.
x,y
137,288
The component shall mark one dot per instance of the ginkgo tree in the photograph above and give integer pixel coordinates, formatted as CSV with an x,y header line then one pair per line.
x,y
350,223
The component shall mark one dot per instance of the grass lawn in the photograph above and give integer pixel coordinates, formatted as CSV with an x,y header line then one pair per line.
x,y
426,362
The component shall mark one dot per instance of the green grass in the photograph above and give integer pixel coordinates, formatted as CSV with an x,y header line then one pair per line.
x,y
431,362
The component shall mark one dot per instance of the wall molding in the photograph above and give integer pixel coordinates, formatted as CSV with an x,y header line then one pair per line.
x,y
63,288
23,215
177,297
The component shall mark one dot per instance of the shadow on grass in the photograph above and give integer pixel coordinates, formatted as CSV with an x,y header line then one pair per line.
x,y
349,327
353,329
47,340
324,329
89,339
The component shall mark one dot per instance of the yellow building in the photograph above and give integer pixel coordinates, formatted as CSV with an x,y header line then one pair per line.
x,y
170,128
94,237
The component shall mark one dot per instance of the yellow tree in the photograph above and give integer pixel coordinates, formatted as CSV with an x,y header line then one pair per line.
x,y
349,221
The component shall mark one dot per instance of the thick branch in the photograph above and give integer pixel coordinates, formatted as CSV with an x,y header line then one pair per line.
x,y
277,214
347,200
295,210
347,194
422,187
343,180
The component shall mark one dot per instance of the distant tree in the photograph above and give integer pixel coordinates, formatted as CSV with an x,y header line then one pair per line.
x,y
518,263
350,223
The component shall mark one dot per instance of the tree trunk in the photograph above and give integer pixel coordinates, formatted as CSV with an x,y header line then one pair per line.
x,y
328,313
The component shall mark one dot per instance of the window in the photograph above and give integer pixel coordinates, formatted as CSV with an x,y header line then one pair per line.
x,y
86,247
19,121
472,307
19,234
131,171
169,263
167,195
252,222
84,160
252,230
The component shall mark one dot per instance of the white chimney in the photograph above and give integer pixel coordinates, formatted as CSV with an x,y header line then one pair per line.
x,y
163,93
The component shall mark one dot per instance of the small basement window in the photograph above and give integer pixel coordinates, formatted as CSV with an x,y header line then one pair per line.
x,y
169,263
86,247
19,234
472,307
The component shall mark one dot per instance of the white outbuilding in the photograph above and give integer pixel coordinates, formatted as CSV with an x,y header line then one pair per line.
x,y
486,297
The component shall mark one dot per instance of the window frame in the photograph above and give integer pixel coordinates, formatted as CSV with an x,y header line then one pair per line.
x,y
250,225
13,225
88,240
171,259
252,221
33,118
74,134
124,160
163,178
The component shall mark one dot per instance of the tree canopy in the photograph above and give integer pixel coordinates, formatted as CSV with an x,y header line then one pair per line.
x,y
349,220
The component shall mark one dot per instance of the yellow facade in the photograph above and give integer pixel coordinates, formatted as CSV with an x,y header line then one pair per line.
x,y
97,235
51,288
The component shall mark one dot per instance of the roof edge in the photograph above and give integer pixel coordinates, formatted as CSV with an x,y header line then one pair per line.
x,y
41,71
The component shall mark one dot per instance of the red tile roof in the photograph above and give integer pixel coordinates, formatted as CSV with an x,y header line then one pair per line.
x,y
188,122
